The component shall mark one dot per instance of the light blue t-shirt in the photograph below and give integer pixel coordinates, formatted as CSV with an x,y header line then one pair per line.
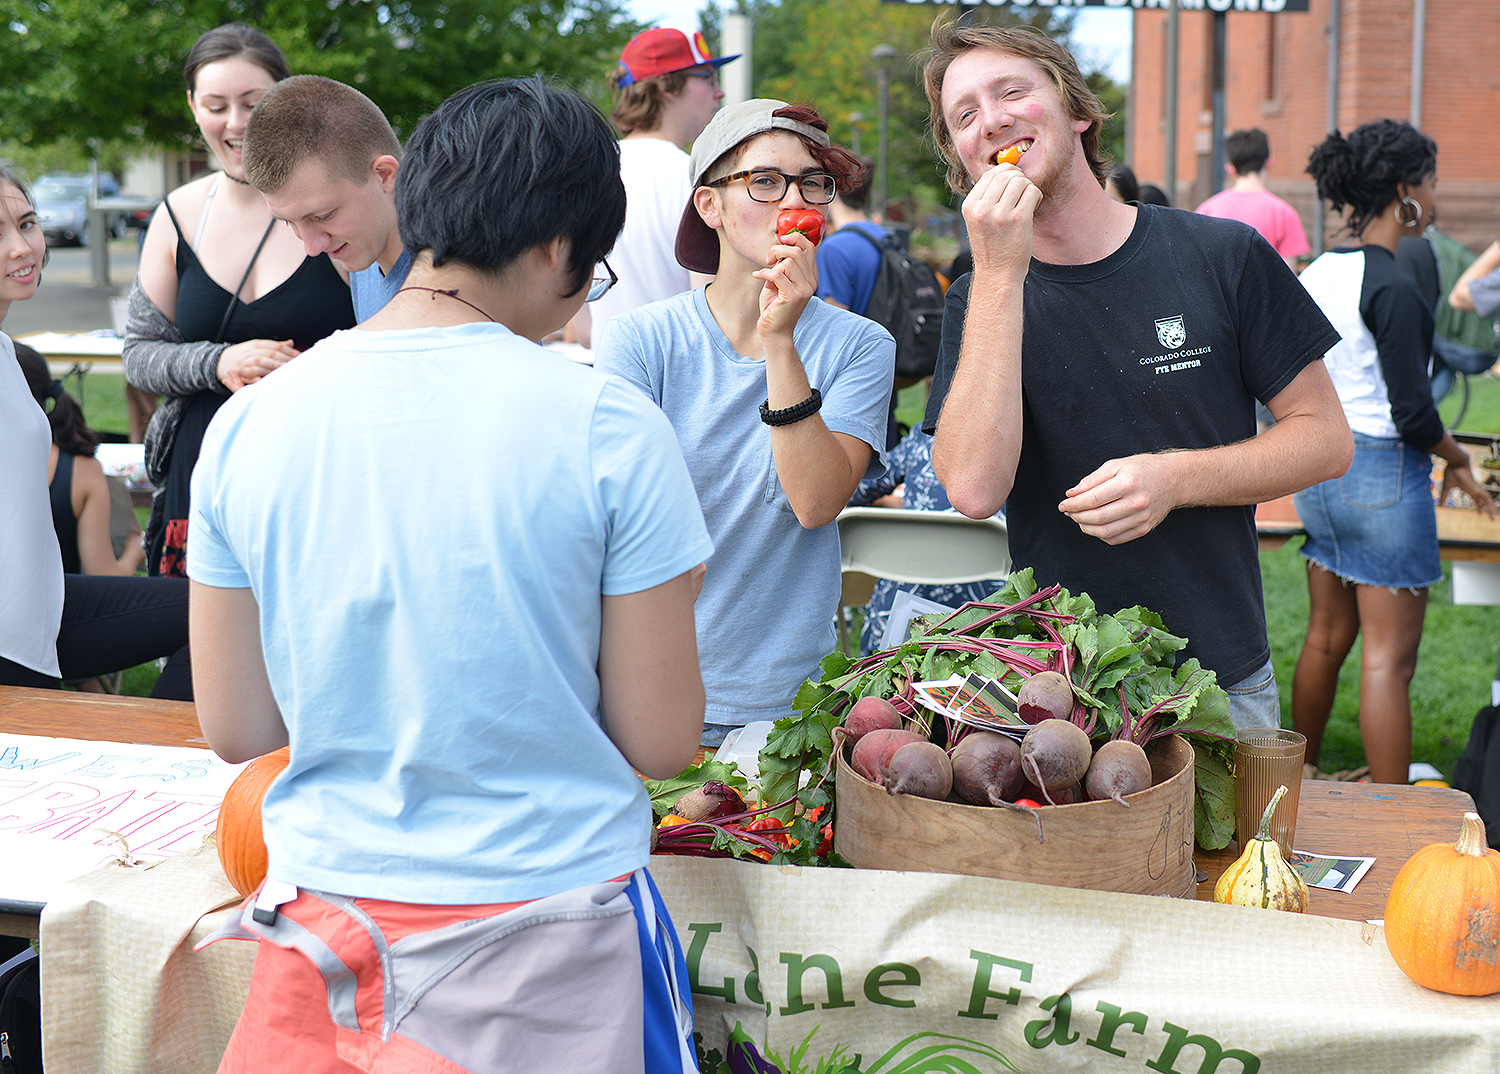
x,y
428,519
371,289
765,616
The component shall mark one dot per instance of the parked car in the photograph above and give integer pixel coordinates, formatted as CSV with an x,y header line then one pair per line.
x,y
62,208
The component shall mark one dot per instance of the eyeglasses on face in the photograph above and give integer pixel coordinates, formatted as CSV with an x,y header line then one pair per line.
x,y
600,284
707,76
764,184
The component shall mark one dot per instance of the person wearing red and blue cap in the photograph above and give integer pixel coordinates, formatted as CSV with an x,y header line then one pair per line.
x,y
666,89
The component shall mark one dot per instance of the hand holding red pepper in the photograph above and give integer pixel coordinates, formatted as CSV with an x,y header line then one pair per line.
x,y
791,279
807,222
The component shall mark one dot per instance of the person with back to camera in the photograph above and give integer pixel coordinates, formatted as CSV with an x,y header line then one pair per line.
x,y
1101,365
779,402
325,159
666,89
57,626
848,264
1372,546
1122,185
460,828
1151,194
76,485
1247,199
223,295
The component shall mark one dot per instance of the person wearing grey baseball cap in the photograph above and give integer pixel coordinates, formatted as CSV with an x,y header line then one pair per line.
x,y
779,401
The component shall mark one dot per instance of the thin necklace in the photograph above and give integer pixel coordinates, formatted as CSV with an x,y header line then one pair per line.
x,y
453,294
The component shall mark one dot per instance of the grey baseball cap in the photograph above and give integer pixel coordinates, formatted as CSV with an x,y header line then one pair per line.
x,y
697,245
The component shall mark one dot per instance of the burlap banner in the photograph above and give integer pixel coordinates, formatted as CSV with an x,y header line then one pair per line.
x,y
912,973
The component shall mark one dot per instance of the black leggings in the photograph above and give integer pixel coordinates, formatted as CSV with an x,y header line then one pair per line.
x,y
110,624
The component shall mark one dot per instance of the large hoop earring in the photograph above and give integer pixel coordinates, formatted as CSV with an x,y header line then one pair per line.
x,y
1406,202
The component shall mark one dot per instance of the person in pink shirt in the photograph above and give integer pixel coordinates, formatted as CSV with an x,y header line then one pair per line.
x,y
1248,201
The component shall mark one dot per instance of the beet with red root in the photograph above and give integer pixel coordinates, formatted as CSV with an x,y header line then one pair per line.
x,y
873,751
1055,755
1047,695
987,768
1118,768
870,713
713,799
921,769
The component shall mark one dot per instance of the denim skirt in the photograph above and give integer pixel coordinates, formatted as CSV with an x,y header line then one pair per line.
x,y
1376,525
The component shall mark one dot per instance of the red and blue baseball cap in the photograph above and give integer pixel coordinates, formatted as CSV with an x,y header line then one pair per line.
x,y
662,51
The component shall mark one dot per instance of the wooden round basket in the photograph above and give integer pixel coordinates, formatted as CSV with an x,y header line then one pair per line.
x,y
1145,849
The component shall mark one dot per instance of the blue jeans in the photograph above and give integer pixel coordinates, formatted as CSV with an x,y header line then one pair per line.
x,y
1254,701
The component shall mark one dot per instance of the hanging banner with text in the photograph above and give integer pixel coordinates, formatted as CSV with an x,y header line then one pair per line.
x,y
852,969
1139,5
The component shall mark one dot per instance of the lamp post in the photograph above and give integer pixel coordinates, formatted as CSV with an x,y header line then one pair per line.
x,y
856,122
883,55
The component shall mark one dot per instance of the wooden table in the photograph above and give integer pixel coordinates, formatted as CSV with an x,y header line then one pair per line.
x,y
1464,536
94,718
76,354
1384,821
1387,822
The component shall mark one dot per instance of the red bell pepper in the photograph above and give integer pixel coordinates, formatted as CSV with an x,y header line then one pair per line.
x,y
807,222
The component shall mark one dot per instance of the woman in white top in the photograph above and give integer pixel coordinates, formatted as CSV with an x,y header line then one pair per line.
x,y
53,629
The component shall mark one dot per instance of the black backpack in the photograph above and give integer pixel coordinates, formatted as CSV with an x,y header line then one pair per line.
x,y
1477,771
908,303
21,1015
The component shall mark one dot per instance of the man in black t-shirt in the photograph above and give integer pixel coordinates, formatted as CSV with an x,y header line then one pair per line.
x,y
1101,364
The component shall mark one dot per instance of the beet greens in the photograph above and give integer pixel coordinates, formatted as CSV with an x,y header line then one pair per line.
x,y
1122,668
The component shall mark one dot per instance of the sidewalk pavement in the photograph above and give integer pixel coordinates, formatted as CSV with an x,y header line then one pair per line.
x,y
67,300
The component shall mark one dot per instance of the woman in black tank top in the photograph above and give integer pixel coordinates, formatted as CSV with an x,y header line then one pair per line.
x,y
225,294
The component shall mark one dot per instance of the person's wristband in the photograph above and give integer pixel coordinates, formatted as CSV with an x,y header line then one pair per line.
x,y
792,414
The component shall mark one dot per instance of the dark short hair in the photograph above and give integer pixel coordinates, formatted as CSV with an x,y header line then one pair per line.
x,y
1151,194
638,106
230,40
507,165
1365,170
857,195
1247,150
310,117
951,39
1125,182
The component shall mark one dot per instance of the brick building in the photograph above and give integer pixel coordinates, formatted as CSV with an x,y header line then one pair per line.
x,y
1276,78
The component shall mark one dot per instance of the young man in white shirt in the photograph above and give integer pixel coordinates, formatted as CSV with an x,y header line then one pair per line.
x,y
666,89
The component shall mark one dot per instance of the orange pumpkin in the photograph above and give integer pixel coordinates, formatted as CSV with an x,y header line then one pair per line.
x,y
1442,918
242,847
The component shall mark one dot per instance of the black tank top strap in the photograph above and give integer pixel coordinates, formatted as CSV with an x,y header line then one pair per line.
x,y
60,491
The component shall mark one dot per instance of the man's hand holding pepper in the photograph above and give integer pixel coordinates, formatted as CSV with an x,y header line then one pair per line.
x,y
998,214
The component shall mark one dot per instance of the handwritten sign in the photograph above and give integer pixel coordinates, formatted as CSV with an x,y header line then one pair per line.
x,y
68,806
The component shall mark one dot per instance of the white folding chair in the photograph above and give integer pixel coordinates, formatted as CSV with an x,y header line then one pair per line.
x,y
925,547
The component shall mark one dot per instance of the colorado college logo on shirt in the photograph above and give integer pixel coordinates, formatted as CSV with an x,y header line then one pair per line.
x,y
1171,331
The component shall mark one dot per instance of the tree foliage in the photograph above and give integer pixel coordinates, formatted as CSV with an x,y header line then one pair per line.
x,y
81,69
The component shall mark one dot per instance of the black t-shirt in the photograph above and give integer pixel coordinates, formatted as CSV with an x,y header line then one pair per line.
x,y
1166,343
1416,258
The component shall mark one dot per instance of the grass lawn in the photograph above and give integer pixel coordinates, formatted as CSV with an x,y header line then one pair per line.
x,y
1459,644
